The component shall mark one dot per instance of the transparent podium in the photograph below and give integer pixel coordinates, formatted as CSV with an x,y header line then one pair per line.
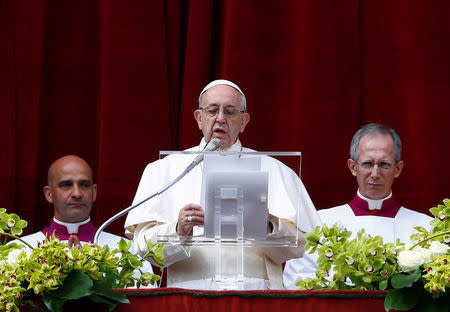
x,y
241,195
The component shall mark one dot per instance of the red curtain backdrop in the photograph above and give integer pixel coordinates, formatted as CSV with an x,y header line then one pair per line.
x,y
115,82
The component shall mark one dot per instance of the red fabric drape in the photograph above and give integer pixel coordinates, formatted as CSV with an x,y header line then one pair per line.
x,y
173,299
115,82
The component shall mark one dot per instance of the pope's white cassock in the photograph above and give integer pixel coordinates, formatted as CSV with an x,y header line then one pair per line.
x,y
193,267
383,217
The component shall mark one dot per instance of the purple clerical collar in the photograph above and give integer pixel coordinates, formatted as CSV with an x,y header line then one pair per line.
x,y
86,230
360,207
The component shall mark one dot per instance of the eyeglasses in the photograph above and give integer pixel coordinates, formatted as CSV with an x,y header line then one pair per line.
x,y
368,165
230,112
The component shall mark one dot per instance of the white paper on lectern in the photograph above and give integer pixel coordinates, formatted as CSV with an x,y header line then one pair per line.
x,y
243,173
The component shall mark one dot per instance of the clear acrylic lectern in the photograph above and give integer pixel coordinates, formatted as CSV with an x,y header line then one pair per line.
x,y
235,194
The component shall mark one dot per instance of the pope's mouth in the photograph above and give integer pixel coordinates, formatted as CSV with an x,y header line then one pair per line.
x,y
219,131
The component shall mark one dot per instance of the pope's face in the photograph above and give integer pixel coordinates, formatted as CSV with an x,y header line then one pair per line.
x,y
71,190
222,98
375,183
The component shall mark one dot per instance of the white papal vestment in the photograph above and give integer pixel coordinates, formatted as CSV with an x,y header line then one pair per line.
x,y
193,267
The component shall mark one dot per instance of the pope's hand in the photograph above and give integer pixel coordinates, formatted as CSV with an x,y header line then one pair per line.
x,y
189,216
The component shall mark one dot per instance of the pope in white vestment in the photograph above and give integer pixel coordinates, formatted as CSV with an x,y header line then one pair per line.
x,y
193,267
221,115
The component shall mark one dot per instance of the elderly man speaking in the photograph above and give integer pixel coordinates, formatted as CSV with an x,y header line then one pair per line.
x,y
222,114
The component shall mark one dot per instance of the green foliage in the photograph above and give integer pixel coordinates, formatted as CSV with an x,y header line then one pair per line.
x,y
401,280
75,286
441,213
431,279
10,224
58,274
156,252
417,276
360,263
437,277
401,299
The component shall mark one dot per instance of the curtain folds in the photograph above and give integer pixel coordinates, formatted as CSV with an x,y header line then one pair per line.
x,y
115,82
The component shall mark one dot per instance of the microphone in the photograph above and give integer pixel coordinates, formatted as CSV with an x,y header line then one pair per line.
x,y
212,145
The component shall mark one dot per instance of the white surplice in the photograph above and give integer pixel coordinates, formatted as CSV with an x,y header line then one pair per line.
x,y
390,229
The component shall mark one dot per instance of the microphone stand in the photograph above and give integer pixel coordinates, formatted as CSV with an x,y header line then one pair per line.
x,y
126,210
213,145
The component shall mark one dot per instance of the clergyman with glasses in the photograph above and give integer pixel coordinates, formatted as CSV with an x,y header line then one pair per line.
x,y
221,114
375,161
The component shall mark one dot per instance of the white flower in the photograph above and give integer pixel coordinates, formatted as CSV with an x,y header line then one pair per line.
x,y
11,222
14,257
436,249
329,253
68,252
368,268
350,261
364,235
409,260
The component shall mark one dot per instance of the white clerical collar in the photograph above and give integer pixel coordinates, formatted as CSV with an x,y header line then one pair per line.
x,y
236,147
72,228
374,204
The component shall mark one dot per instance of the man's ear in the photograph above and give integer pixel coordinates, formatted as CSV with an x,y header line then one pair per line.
x,y
398,169
198,117
48,194
245,120
352,166
94,192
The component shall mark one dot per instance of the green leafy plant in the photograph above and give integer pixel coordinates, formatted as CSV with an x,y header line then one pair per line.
x,y
10,225
56,274
360,263
423,280
416,276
